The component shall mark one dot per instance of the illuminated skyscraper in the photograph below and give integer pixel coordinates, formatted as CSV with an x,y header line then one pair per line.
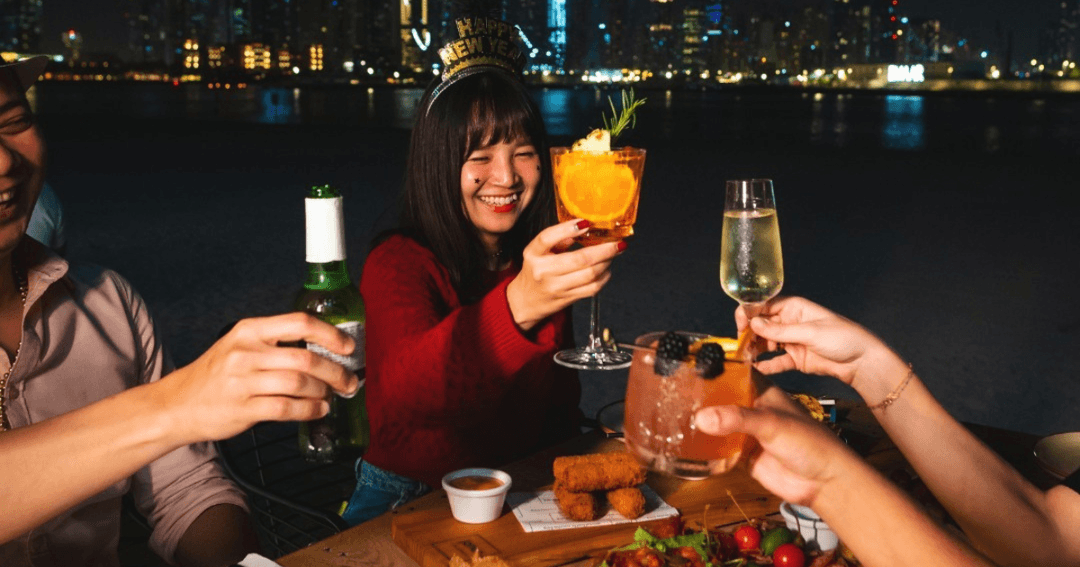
x,y
890,26
661,42
148,36
851,33
692,36
188,23
543,29
20,25
925,40
238,16
376,36
414,35
1066,35
810,40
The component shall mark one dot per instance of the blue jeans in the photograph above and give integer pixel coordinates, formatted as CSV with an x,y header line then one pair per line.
x,y
378,491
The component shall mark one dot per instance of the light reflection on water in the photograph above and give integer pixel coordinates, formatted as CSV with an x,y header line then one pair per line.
x,y
555,105
903,127
743,118
277,106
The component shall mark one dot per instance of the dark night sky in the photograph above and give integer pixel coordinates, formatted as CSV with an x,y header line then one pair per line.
x,y
102,27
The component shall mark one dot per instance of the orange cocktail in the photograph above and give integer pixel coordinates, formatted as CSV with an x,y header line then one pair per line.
x,y
660,407
600,187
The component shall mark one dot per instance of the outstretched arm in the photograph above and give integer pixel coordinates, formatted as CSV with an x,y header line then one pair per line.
x,y
241,380
1005,516
805,463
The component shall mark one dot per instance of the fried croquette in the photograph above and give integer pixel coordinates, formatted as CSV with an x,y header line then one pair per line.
x,y
629,502
577,506
598,471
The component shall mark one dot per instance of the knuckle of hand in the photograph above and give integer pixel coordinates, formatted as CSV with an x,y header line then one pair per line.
x,y
279,408
302,359
243,328
583,261
233,359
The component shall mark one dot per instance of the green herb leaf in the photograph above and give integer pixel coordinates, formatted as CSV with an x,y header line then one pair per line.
x,y
625,118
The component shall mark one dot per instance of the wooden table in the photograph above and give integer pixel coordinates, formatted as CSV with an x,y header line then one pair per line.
x,y
373,543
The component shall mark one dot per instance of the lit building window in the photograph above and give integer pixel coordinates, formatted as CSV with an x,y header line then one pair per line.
x,y
214,56
257,57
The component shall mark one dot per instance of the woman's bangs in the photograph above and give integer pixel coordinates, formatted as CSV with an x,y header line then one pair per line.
x,y
497,119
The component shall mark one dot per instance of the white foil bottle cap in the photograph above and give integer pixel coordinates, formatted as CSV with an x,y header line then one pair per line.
x,y
325,228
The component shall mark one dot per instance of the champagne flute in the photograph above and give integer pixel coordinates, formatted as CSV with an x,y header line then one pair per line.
x,y
751,263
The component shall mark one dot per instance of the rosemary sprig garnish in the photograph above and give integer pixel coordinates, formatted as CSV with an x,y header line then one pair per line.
x,y
620,120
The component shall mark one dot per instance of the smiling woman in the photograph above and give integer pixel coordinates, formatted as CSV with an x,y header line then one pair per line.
x,y
468,300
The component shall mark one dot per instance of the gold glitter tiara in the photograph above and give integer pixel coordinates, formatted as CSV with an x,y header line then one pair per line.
x,y
483,43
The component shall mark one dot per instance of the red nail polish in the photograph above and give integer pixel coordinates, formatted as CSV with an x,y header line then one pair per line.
x,y
622,245
583,224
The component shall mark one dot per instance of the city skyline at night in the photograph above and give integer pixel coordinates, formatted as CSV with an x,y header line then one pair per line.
x,y
382,38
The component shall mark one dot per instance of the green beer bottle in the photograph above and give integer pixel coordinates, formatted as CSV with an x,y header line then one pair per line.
x,y
330,295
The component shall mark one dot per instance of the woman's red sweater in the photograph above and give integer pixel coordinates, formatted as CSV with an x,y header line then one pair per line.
x,y
450,385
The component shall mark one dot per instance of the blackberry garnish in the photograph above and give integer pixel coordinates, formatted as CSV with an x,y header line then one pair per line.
x,y
671,349
710,360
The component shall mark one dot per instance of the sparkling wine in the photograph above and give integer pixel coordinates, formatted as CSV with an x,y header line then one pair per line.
x,y
751,264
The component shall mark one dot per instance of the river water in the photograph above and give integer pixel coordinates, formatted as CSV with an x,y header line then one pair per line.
x,y
943,222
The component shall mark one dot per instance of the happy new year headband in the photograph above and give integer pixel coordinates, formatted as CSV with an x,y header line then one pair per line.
x,y
484,43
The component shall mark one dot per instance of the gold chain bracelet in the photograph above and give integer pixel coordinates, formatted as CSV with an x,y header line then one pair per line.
x,y
895,394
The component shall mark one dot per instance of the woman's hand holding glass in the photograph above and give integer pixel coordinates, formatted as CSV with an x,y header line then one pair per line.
x,y
814,340
551,280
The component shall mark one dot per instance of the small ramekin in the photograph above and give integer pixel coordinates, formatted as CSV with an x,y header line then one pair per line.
x,y
476,506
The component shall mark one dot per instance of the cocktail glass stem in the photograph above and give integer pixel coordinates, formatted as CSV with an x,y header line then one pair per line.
x,y
596,340
596,355
753,309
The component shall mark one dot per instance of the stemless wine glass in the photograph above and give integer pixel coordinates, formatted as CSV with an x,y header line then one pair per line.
x,y
751,263
602,188
661,402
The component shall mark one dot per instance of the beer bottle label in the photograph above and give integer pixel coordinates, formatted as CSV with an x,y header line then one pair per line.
x,y
356,360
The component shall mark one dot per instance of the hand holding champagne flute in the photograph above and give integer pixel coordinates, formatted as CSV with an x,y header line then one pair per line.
x,y
751,263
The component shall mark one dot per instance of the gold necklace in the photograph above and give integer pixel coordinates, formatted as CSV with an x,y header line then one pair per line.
x,y
23,290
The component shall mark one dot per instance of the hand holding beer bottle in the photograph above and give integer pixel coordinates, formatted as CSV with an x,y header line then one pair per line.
x,y
329,294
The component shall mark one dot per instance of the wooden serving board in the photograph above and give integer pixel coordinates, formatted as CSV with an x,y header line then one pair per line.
x,y
427,532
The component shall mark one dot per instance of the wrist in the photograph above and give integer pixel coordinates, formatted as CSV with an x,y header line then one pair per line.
x,y
839,491
519,306
166,421
880,373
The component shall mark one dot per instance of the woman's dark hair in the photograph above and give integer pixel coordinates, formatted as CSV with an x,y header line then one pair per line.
x,y
485,108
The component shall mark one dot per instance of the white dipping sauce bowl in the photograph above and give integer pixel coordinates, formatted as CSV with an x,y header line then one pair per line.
x,y
476,506
808,524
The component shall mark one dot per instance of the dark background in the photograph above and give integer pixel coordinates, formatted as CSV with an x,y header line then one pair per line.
x,y
945,223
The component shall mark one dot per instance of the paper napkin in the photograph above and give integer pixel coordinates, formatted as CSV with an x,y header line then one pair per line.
x,y
539,511
256,560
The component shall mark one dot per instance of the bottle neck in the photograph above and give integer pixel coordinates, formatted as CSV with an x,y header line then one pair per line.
x,y
327,275
325,230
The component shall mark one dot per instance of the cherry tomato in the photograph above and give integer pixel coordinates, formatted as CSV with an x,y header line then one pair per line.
x,y
747,537
788,555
